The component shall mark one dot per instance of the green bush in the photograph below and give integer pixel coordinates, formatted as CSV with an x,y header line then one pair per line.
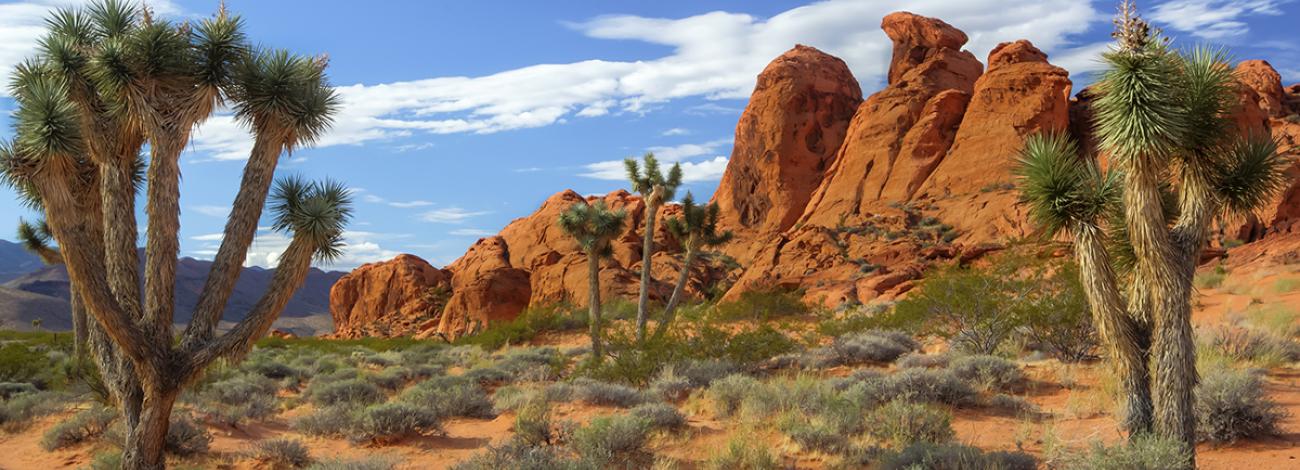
x,y
344,392
671,386
387,423
729,392
594,392
878,346
233,400
186,436
329,421
988,372
743,453
916,360
813,435
659,415
1145,452
450,396
533,423
1233,405
529,324
951,456
609,439
1056,315
81,427
516,454
282,453
370,463
760,305
902,423
107,460
17,412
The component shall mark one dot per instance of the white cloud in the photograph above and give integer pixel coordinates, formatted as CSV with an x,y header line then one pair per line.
x,y
450,215
410,204
413,147
212,211
531,169
707,170
367,196
714,55
1213,19
676,131
22,24
358,248
471,232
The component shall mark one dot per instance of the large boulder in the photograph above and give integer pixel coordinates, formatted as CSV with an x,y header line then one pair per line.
x,y
787,136
390,298
485,289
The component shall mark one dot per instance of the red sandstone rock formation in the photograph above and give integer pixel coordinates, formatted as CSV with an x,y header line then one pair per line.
x,y
390,298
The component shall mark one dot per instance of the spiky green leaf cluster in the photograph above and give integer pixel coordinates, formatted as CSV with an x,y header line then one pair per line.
x,y
279,92
593,226
1062,187
697,227
646,178
317,211
34,236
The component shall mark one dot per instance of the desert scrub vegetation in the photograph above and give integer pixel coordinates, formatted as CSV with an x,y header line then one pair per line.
x,y
345,391
901,423
282,453
930,455
617,440
81,427
988,372
18,410
1144,452
450,396
1233,405
743,451
387,423
234,400
871,346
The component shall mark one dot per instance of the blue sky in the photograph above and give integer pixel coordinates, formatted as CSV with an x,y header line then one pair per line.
x,y
461,116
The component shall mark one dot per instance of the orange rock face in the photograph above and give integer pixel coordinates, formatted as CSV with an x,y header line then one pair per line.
x,y
850,201
788,135
390,298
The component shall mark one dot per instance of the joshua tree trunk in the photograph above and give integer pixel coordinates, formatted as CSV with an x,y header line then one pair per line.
x,y
1124,338
79,332
120,255
147,440
647,251
593,319
241,227
163,244
678,291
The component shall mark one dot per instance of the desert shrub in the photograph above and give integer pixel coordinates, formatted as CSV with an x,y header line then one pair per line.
x,y
512,397
345,392
743,452
233,400
532,364
903,423
1145,452
282,453
488,375
813,435
729,392
609,437
760,305
637,363
1056,315
1012,404
1232,405
17,412
951,456
558,392
10,389
671,386
1249,344
533,423
107,460
532,322
916,360
518,455
331,421
1212,279
186,436
450,396
701,373
33,360
391,379
369,463
859,348
83,426
659,415
594,392
386,423
920,385
989,372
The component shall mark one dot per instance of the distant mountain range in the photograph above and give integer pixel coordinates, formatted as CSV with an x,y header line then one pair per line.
x,y
30,290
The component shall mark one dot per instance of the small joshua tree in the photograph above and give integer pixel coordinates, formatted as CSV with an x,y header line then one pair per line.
x,y
36,238
655,189
593,226
1163,118
696,229
108,79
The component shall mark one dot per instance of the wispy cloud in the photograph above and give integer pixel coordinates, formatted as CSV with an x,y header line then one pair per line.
x,y
714,56
708,169
212,211
1213,19
450,215
367,196
676,131
358,248
531,169
471,232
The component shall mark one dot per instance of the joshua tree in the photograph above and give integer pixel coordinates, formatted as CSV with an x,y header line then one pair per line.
x,y
36,238
593,226
655,189
696,229
1163,118
110,78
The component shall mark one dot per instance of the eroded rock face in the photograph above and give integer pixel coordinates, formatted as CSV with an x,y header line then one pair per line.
x,y
1260,76
485,289
786,138
389,298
